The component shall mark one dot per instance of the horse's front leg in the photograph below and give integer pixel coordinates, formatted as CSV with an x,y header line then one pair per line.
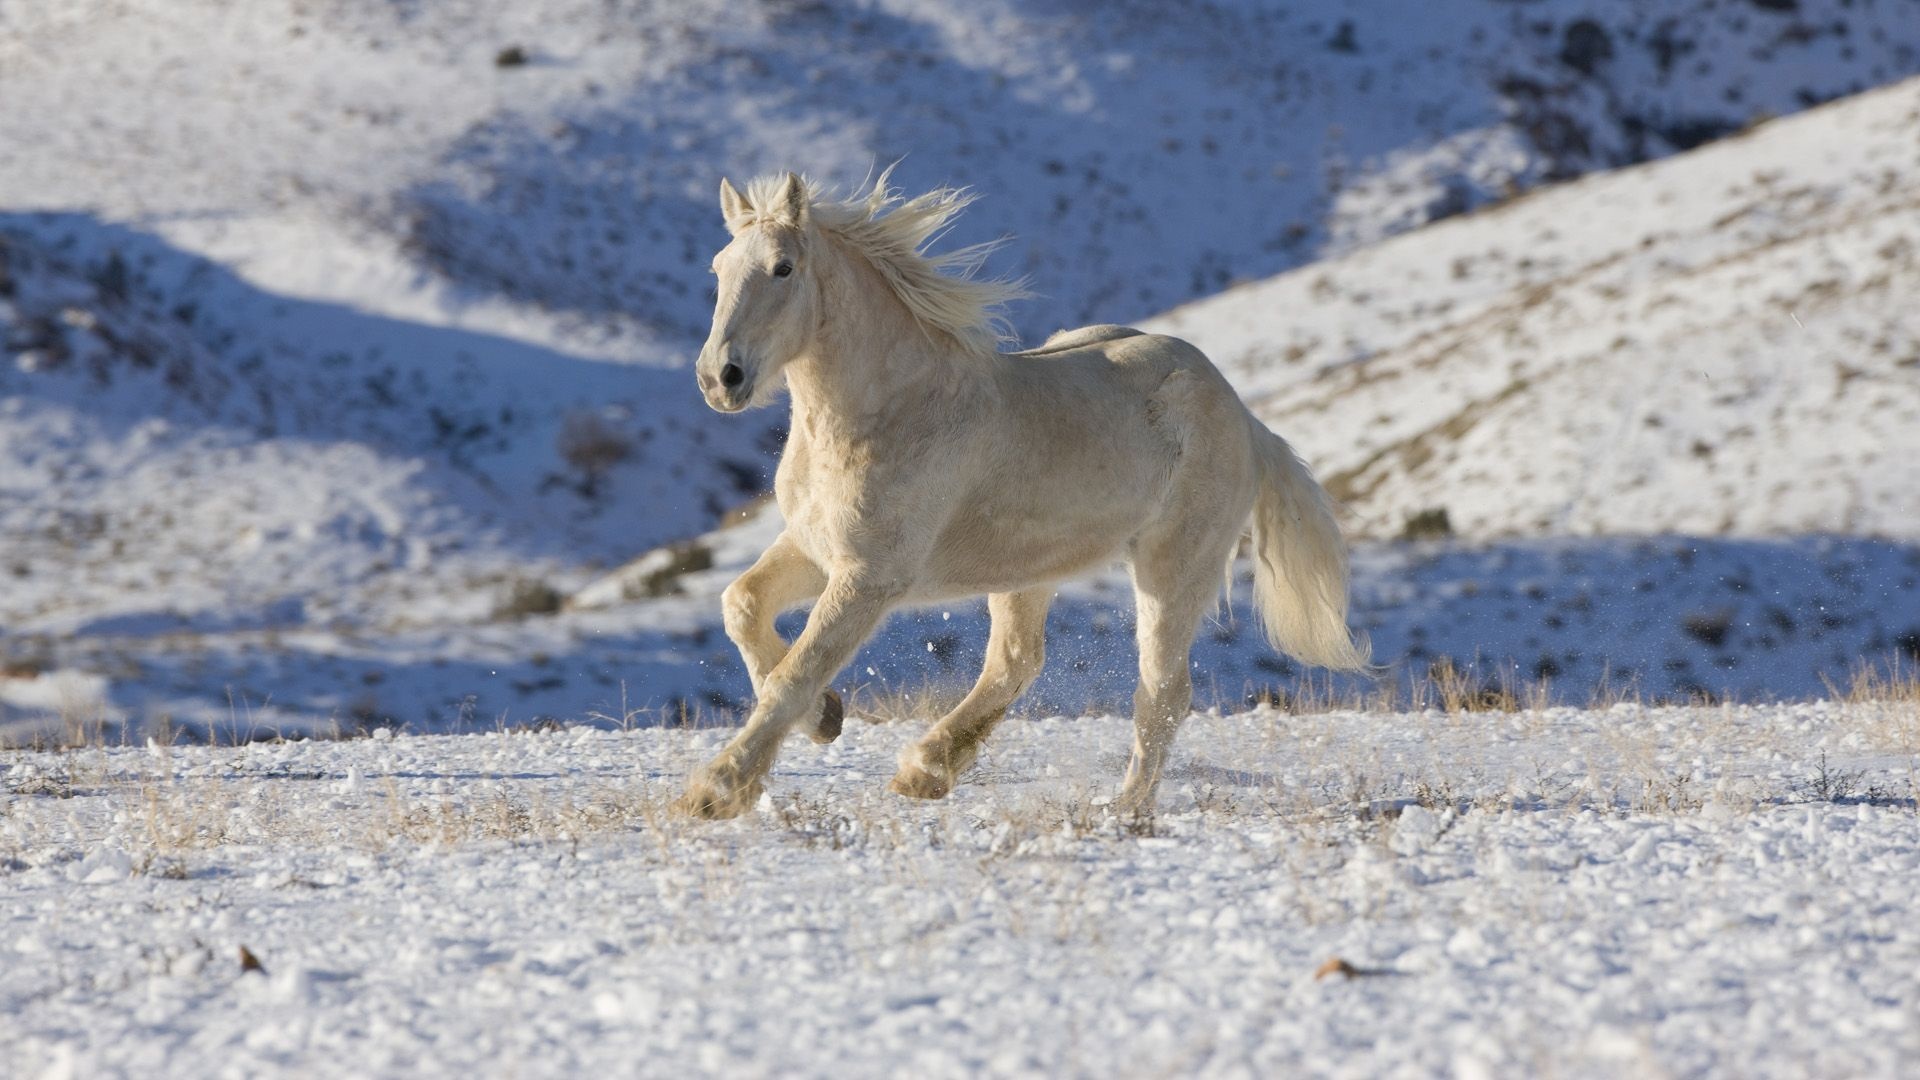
x,y
782,577
848,610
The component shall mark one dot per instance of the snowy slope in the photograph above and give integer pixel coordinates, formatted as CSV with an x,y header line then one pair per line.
x,y
183,450
334,346
1667,618
1722,342
1145,159
1688,893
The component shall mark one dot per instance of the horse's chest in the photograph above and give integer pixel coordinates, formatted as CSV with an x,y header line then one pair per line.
x,y
809,521
823,498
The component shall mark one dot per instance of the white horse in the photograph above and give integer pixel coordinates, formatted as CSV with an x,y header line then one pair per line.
x,y
924,465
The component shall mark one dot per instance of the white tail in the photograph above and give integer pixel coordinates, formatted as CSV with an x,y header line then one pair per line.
x,y
1300,562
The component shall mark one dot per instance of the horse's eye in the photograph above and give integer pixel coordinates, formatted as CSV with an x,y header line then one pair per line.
x,y
785,269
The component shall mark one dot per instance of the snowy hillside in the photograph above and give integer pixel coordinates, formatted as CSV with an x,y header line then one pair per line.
x,y
564,155
1722,342
244,457
1655,619
342,340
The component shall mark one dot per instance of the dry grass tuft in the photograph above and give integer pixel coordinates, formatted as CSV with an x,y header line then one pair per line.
x,y
924,702
1897,682
1335,966
1462,690
569,818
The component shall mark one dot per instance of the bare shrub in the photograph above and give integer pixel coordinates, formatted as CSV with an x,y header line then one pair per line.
x,y
654,574
674,561
1463,690
1709,628
1429,524
591,446
525,596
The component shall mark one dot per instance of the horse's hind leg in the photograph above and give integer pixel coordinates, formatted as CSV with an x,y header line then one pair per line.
x,y
779,579
1176,576
1016,651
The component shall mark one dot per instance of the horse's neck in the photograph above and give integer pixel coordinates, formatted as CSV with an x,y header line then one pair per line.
x,y
870,361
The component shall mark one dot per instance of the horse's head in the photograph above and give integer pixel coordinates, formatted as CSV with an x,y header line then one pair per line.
x,y
764,313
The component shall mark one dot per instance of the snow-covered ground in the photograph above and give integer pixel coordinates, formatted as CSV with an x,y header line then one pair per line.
x,y
1666,892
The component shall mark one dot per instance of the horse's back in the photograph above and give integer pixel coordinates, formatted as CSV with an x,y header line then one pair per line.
x,y
1081,448
1111,386
1081,337
1121,356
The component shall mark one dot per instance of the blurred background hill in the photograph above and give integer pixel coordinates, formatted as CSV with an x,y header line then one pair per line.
x,y
345,340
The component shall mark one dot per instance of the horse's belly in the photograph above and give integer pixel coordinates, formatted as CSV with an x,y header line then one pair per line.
x,y
985,552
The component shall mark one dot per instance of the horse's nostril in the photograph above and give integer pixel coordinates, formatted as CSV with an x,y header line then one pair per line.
x,y
731,376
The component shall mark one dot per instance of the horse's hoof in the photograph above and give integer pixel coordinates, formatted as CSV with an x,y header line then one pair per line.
x,y
709,801
1134,802
833,716
917,783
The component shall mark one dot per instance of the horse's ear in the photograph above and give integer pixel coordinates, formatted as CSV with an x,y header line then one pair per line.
x,y
734,208
792,201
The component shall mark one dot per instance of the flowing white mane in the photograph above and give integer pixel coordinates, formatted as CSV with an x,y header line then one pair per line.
x,y
890,231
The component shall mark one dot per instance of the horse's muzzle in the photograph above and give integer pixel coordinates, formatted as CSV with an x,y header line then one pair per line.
x,y
729,390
